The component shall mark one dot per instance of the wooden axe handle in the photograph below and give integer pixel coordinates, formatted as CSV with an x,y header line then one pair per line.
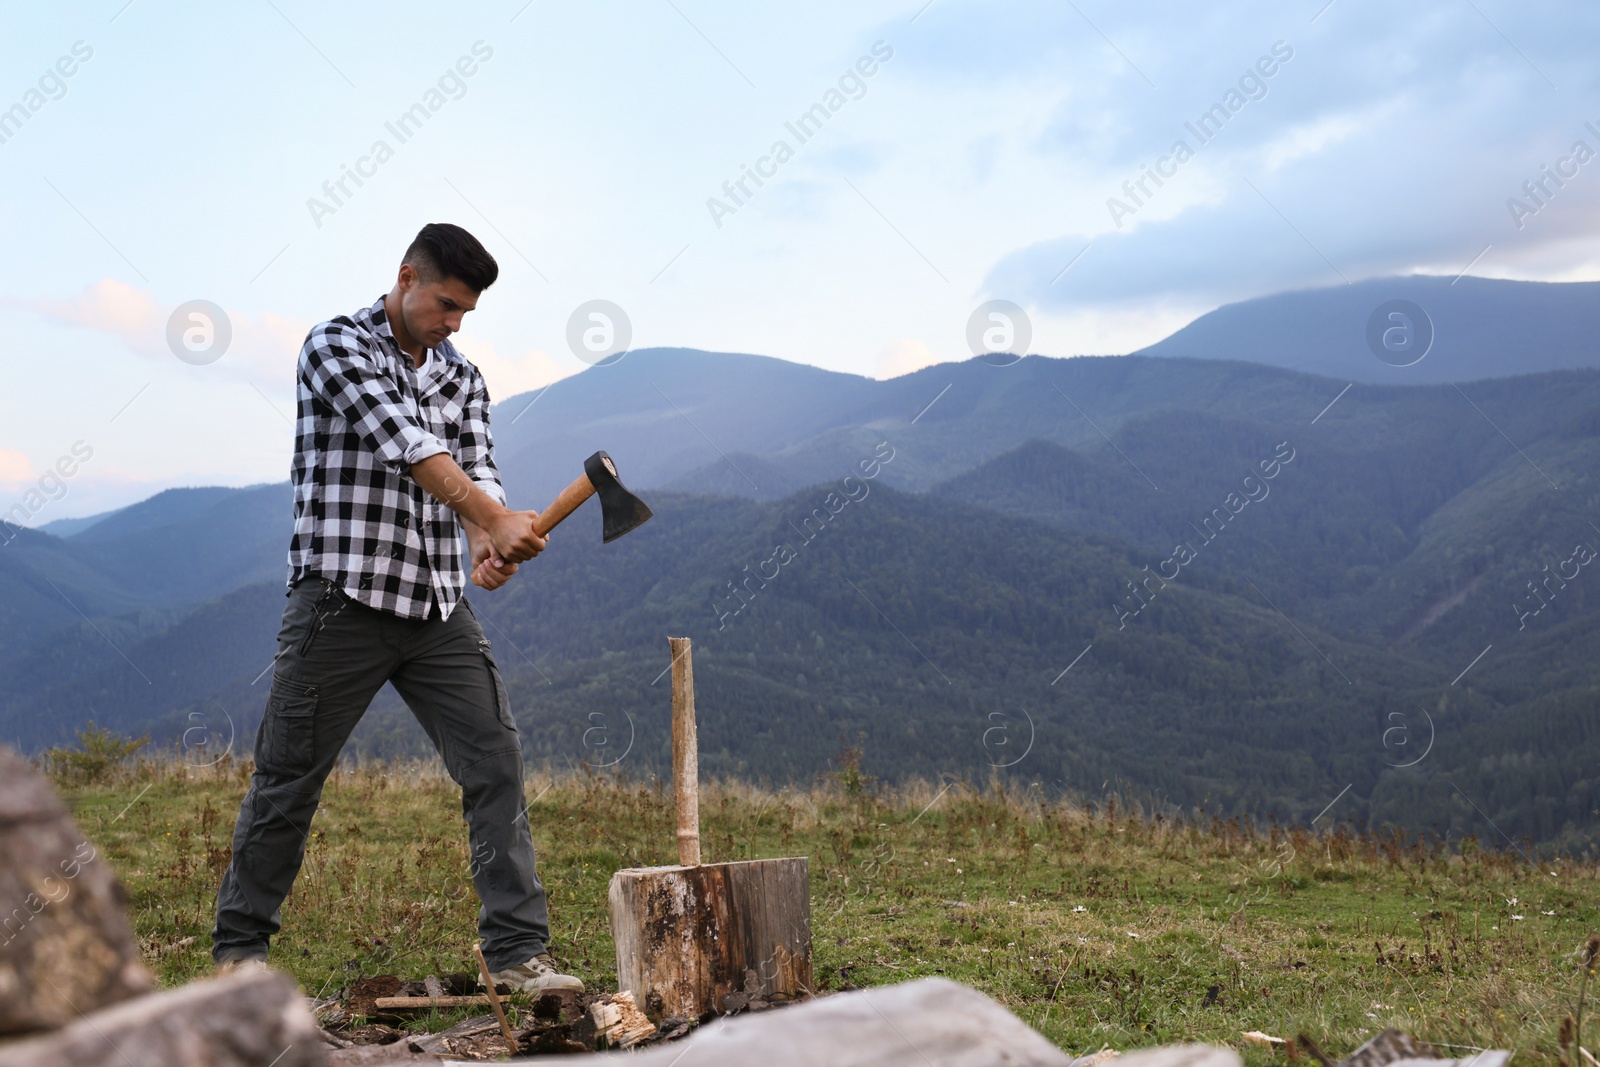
x,y
564,504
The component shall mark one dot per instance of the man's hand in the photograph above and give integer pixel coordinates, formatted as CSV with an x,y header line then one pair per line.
x,y
490,569
491,574
512,536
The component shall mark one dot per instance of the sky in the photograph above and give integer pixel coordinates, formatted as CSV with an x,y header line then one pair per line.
x,y
956,152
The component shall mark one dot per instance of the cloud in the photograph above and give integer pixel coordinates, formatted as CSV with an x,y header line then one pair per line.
x,y
1412,183
508,375
1379,146
263,350
903,357
15,468
265,346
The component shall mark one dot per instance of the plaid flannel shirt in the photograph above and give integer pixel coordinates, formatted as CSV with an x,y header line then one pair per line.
x,y
363,419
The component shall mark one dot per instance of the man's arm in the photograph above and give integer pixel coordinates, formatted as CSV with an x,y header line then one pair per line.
x,y
509,533
475,447
336,366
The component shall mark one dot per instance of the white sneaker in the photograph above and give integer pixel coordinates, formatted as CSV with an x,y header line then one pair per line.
x,y
246,966
538,975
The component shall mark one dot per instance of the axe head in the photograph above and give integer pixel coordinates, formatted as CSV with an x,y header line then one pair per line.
x,y
620,510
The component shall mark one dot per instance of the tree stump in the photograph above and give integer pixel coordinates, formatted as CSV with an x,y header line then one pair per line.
x,y
689,938
65,944
697,939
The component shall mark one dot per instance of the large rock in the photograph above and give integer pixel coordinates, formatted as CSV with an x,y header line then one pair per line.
x,y
249,1019
931,1022
65,945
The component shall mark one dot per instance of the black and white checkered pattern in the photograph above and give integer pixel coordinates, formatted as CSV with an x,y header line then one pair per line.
x,y
363,420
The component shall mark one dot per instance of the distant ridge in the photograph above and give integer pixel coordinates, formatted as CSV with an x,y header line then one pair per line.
x,y
1483,328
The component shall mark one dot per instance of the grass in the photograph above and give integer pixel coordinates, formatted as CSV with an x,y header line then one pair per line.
x,y
1096,926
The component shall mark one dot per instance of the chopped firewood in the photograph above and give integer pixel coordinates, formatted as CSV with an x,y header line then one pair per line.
x,y
432,986
619,1020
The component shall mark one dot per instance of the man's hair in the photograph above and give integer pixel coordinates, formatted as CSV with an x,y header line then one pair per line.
x,y
441,250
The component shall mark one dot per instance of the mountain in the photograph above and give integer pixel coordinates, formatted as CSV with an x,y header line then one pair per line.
x,y
67,527
1202,582
1482,328
732,425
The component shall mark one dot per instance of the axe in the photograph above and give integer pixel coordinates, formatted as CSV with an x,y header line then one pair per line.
x,y
620,510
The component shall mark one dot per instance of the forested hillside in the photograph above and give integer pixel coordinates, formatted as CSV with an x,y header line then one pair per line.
x,y
1199,582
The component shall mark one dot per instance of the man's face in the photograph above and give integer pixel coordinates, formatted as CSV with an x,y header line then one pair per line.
x,y
433,310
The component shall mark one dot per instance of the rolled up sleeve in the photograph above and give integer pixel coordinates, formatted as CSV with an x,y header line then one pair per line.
x,y
477,444
340,368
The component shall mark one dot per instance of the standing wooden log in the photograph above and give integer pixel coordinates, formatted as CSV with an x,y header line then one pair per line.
x,y
65,944
689,938
696,939
685,752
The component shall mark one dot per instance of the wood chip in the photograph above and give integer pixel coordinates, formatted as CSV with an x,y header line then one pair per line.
x,y
619,1020
1256,1037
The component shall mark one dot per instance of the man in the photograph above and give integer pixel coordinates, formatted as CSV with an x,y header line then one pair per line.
x,y
392,451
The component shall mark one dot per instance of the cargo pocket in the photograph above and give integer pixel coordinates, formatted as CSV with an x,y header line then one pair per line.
x,y
329,603
502,701
286,744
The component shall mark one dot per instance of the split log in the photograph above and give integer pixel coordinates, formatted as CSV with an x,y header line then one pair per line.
x,y
690,937
243,1020
65,944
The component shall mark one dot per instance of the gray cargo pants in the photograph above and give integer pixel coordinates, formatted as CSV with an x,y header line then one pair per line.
x,y
333,656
